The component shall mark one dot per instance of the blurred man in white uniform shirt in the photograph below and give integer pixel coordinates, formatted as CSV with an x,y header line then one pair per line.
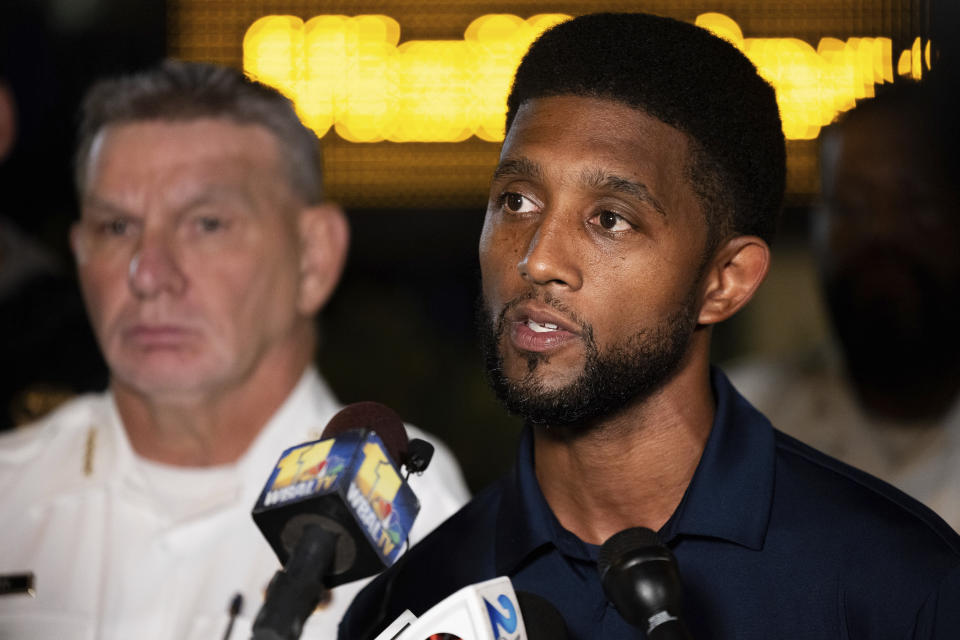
x,y
205,251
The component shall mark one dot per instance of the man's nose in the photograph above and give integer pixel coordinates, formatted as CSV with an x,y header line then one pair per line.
x,y
552,255
155,269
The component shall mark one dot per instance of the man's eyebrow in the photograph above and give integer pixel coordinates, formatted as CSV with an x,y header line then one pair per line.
x,y
215,194
599,179
209,195
99,205
518,167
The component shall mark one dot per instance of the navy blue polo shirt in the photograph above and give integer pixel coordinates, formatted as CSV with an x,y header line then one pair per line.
x,y
773,540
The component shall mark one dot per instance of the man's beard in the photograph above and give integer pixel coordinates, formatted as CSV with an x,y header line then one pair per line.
x,y
629,371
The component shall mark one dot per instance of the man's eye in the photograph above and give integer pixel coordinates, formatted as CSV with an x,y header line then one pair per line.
x,y
516,203
115,227
209,224
611,221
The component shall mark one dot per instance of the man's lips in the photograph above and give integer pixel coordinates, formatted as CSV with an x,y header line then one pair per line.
x,y
157,335
538,328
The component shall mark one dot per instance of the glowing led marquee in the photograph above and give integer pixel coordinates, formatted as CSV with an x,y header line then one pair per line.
x,y
814,85
352,73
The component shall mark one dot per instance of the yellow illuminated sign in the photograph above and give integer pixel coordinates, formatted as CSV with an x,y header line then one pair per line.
x,y
352,73
814,85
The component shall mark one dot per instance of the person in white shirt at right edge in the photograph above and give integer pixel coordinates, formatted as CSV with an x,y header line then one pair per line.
x,y
885,395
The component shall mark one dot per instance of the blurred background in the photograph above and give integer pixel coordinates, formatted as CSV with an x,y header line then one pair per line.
x,y
400,329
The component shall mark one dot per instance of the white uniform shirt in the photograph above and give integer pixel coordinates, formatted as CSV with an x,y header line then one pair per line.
x,y
124,548
811,400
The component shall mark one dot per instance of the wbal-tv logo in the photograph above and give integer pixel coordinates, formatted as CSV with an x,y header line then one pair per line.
x,y
372,495
304,470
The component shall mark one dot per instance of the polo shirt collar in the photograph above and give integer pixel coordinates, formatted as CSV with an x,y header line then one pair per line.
x,y
729,497
731,494
525,522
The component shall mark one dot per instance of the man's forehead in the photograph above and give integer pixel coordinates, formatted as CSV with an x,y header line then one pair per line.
x,y
591,116
192,131
613,107
181,163
151,145
596,141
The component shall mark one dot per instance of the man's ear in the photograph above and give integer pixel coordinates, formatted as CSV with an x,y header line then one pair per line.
x,y
736,271
324,239
78,243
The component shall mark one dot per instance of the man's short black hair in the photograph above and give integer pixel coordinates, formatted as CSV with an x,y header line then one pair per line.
x,y
689,79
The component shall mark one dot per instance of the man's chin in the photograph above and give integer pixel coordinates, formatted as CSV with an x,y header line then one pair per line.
x,y
541,388
550,409
556,400
163,380
576,395
542,375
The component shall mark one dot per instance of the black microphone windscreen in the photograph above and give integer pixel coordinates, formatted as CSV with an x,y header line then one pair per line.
x,y
376,417
541,620
640,577
624,542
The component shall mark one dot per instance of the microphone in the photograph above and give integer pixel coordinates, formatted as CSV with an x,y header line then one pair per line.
x,y
540,618
640,577
489,610
335,510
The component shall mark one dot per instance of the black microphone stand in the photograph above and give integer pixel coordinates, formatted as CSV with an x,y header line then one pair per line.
x,y
296,589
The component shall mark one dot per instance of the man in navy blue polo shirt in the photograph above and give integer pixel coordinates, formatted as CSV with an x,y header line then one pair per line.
x,y
632,209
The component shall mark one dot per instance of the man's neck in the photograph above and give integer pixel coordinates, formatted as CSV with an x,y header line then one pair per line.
x,y
207,429
633,468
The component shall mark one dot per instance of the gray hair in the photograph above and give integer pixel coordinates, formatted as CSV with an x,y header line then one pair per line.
x,y
179,91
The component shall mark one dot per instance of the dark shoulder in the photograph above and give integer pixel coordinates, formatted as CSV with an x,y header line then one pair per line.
x,y
873,530
457,553
860,493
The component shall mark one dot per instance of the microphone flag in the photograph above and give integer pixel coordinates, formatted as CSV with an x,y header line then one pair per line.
x,y
348,484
